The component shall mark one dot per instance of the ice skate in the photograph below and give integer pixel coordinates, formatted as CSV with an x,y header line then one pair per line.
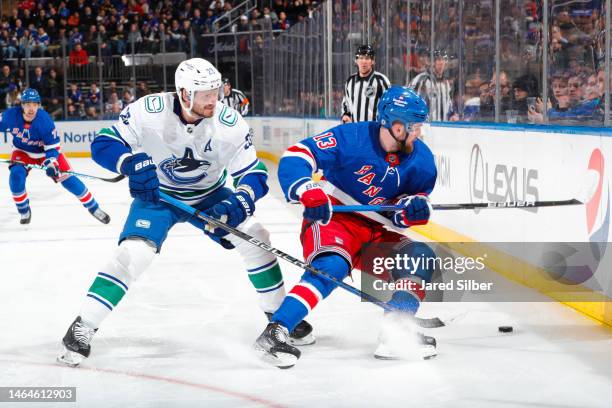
x,y
101,216
399,340
273,348
25,217
76,343
301,335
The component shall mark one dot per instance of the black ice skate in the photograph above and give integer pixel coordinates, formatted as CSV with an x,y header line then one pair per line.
x,y
301,334
76,343
272,347
101,216
25,217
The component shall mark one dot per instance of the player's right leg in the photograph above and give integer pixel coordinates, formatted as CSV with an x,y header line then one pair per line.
x,y
328,248
17,184
144,232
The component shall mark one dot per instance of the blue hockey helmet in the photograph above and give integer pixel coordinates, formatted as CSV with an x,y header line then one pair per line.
x,y
401,104
30,95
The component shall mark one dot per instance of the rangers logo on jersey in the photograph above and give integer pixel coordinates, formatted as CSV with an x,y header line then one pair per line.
x,y
186,169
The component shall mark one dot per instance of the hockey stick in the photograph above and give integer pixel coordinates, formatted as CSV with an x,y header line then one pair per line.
x,y
425,323
73,173
461,206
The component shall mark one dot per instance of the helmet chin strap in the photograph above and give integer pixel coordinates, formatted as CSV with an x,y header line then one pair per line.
x,y
190,108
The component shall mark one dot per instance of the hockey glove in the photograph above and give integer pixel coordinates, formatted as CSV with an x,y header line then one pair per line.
x,y
142,177
232,211
52,167
317,206
416,211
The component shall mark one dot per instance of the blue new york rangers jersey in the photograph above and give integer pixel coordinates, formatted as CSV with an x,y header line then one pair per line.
x,y
38,138
356,168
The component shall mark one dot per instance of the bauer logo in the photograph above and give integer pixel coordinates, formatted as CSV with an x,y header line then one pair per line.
x,y
140,223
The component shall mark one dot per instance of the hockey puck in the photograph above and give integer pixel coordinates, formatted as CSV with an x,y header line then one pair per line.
x,y
505,329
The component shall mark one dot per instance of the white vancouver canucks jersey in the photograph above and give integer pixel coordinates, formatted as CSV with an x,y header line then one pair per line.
x,y
192,160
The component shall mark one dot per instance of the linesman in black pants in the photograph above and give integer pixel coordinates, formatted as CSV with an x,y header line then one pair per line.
x,y
363,89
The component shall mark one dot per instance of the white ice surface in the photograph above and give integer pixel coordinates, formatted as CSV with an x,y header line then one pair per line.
x,y
182,335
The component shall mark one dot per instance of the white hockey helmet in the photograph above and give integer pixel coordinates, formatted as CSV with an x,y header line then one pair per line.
x,y
196,74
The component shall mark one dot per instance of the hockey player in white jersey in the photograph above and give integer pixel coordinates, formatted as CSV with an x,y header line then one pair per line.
x,y
185,144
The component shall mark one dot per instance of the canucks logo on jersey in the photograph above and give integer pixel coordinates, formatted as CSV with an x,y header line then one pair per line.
x,y
186,169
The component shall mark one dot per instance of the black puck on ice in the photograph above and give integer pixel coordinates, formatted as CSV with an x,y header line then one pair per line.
x,y
505,329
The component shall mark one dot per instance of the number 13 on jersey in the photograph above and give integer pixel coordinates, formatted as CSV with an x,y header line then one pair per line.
x,y
325,141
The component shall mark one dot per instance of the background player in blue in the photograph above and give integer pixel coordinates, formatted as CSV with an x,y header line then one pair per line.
x,y
35,141
375,162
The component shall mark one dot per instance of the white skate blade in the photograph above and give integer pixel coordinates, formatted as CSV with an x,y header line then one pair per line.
x,y
70,358
304,341
280,360
399,340
425,352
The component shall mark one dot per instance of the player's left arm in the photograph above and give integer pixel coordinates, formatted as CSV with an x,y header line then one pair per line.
x,y
416,206
51,142
250,180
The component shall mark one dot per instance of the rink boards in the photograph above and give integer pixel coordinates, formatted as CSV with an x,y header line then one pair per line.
x,y
483,163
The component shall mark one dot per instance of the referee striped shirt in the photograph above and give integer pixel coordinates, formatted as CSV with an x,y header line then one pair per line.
x,y
438,94
237,100
361,95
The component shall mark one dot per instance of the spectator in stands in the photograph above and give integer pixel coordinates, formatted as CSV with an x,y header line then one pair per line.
x,y
136,37
575,89
113,105
142,90
74,38
175,37
91,113
90,40
78,56
270,16
55,109
118,40
8,45
524,86
128,97
87,18
282,23
73,112
94,93
54,85
42,42
6,82
39,82
75,96
25,44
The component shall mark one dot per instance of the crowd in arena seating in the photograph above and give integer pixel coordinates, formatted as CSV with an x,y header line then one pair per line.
x,y
576,51
35,29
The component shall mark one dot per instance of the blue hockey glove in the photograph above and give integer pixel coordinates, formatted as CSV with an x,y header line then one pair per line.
x,y
232,211
52,167
317,206
416,211
220,240
142,177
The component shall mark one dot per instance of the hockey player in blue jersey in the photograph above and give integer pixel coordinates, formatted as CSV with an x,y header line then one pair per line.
x,y
35,142
377,162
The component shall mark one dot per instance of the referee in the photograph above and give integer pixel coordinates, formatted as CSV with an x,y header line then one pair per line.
x,y
234,98
363,89
436,89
